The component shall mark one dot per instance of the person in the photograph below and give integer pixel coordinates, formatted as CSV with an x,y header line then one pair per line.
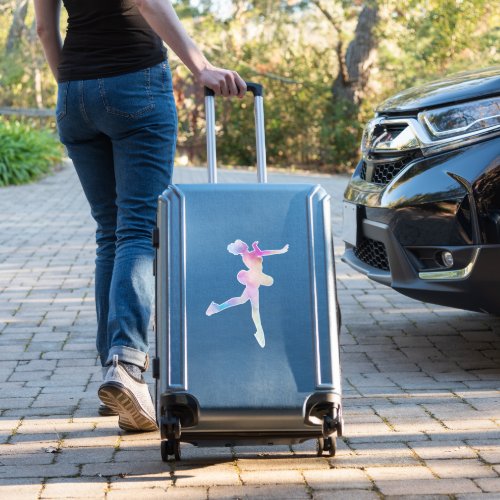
x,y
116,117
252,279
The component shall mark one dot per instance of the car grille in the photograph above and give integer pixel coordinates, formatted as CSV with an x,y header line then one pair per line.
x,y
383,173
373,253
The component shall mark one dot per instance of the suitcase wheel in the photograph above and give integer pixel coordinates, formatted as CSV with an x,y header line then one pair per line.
x,y
328,445
329,426
169,448
171,445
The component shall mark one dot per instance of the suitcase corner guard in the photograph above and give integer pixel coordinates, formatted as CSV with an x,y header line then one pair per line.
x,y
324,408
179,406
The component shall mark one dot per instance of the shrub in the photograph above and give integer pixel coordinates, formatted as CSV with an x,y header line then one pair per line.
x,y
26,153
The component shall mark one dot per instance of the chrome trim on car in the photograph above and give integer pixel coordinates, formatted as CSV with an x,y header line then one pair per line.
x,y
456,274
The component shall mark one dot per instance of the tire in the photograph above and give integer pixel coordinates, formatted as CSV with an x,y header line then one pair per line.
x,y
164,450
331,446
177,450
320,446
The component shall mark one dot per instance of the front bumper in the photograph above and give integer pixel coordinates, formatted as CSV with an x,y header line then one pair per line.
x,y
478,291
433,205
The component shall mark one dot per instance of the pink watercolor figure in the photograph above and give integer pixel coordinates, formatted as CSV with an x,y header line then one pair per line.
x,y
252,279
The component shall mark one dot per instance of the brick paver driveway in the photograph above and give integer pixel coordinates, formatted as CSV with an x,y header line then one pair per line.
x,y
422,406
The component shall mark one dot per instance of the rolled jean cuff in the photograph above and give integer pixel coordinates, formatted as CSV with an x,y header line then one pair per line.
x,y
129,355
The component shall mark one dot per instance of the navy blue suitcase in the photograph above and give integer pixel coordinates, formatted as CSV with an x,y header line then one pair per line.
x,y
246,317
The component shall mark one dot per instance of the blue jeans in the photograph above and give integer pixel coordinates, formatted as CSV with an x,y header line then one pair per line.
x,y
120,133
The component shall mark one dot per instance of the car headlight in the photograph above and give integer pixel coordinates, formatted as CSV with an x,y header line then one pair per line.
x,y
462,119
435,130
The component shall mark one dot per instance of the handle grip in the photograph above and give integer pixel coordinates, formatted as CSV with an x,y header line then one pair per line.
x,y
258,91
255,88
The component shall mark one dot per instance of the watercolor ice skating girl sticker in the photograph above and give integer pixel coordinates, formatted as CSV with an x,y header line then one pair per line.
x,y
252,279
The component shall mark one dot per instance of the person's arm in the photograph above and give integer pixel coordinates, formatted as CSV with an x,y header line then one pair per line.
x,y
265,253
47,14
161,16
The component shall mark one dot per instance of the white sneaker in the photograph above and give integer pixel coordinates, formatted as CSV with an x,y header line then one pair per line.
x,y
129,397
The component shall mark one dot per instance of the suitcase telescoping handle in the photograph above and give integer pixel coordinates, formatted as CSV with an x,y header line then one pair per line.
x,y
258,92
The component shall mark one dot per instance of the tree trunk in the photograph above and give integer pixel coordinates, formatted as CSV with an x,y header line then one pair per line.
x,y
351,83
37,62
17,26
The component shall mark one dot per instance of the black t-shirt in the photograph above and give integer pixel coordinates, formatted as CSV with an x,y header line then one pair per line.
x,y
107,38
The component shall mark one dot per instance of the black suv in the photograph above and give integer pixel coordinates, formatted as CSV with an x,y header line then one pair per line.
x,y
422,209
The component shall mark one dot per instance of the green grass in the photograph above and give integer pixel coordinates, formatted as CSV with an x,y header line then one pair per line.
x,y
26,153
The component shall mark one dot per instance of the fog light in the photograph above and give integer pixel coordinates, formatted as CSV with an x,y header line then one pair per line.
x,y
447,259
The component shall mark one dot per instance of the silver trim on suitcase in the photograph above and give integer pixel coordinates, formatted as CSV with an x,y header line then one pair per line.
x,y
260,135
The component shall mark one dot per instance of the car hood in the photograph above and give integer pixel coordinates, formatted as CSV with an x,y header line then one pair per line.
x,y
456,88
